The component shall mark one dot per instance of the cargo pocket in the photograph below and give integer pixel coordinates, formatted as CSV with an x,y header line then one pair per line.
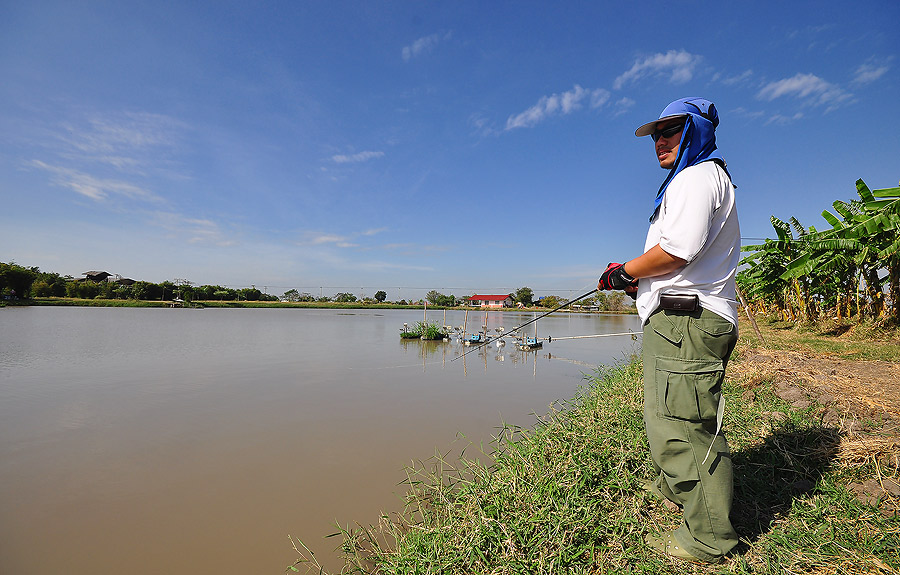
x,y
688,389
666,328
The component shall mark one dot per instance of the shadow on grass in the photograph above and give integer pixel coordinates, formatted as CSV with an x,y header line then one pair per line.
x,y
769,476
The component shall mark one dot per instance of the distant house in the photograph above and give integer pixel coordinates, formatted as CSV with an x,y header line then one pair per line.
x,y
492,300
96,276
100,277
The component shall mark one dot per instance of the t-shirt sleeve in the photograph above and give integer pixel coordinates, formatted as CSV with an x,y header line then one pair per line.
x,y
690,203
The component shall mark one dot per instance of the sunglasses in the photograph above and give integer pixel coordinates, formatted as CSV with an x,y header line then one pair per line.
x,y
667,132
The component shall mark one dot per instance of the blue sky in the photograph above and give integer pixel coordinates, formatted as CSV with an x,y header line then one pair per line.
x,y
407,146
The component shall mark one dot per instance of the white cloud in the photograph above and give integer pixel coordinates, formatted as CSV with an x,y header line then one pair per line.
x,y
356,158
623,105
782,120
423,45
106,156
125,140
325,239
870,71
677,65
599,98
482,126
92,187
738,79
320,239
557,104
807,87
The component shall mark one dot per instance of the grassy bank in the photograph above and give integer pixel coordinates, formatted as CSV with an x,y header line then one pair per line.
x,y
564,497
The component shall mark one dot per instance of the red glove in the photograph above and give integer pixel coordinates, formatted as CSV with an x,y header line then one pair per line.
x,y
615,278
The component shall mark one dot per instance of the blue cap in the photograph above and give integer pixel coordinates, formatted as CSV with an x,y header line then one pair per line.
x,y
681,108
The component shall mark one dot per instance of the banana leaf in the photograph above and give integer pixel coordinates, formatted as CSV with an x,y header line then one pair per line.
x,y
863,190
886,193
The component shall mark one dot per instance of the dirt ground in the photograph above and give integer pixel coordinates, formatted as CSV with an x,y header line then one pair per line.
x,y
865,389
861,398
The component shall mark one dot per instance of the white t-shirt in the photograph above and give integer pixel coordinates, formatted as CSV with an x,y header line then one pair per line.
x,y
697,221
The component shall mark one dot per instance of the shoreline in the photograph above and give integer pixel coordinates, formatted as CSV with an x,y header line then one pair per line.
x,y
75,302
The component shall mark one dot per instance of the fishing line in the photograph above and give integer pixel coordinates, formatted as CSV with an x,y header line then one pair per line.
x,y
550,339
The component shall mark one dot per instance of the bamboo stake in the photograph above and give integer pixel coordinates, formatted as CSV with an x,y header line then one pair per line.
x,y
750,315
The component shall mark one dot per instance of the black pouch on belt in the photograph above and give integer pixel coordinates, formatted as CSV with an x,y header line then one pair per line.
x,y
679,301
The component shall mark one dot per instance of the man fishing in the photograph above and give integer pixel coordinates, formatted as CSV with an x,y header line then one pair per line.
x,y
684,285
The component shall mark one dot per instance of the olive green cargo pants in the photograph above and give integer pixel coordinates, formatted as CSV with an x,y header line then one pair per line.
x,y
685,354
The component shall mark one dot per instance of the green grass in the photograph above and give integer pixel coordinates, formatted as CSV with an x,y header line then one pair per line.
x,y
422,330
564,497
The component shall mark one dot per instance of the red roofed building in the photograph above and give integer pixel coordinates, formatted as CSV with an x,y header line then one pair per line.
x,y
492,300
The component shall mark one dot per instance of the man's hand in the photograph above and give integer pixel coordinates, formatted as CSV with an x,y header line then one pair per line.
x,y
616,278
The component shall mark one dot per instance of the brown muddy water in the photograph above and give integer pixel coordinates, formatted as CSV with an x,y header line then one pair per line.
x,y
148,441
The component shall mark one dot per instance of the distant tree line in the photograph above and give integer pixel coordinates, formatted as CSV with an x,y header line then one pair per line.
x,y
23,283
611,301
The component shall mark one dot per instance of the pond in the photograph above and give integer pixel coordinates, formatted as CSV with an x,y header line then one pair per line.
x,y
196,440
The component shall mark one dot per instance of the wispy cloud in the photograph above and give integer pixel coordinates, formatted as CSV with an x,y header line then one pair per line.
x,y
92,187
483,126
871,71
782,120
127,141
356,158
199,231
806,87
106,156
737,78
423,45
558,104
324,239
383,266
318,239
678,65
624,105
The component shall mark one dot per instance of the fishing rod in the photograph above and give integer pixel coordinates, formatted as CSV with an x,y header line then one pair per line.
x,y
489,340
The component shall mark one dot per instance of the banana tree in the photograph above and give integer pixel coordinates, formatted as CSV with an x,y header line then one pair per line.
x,y
870,231
761,281
824,269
